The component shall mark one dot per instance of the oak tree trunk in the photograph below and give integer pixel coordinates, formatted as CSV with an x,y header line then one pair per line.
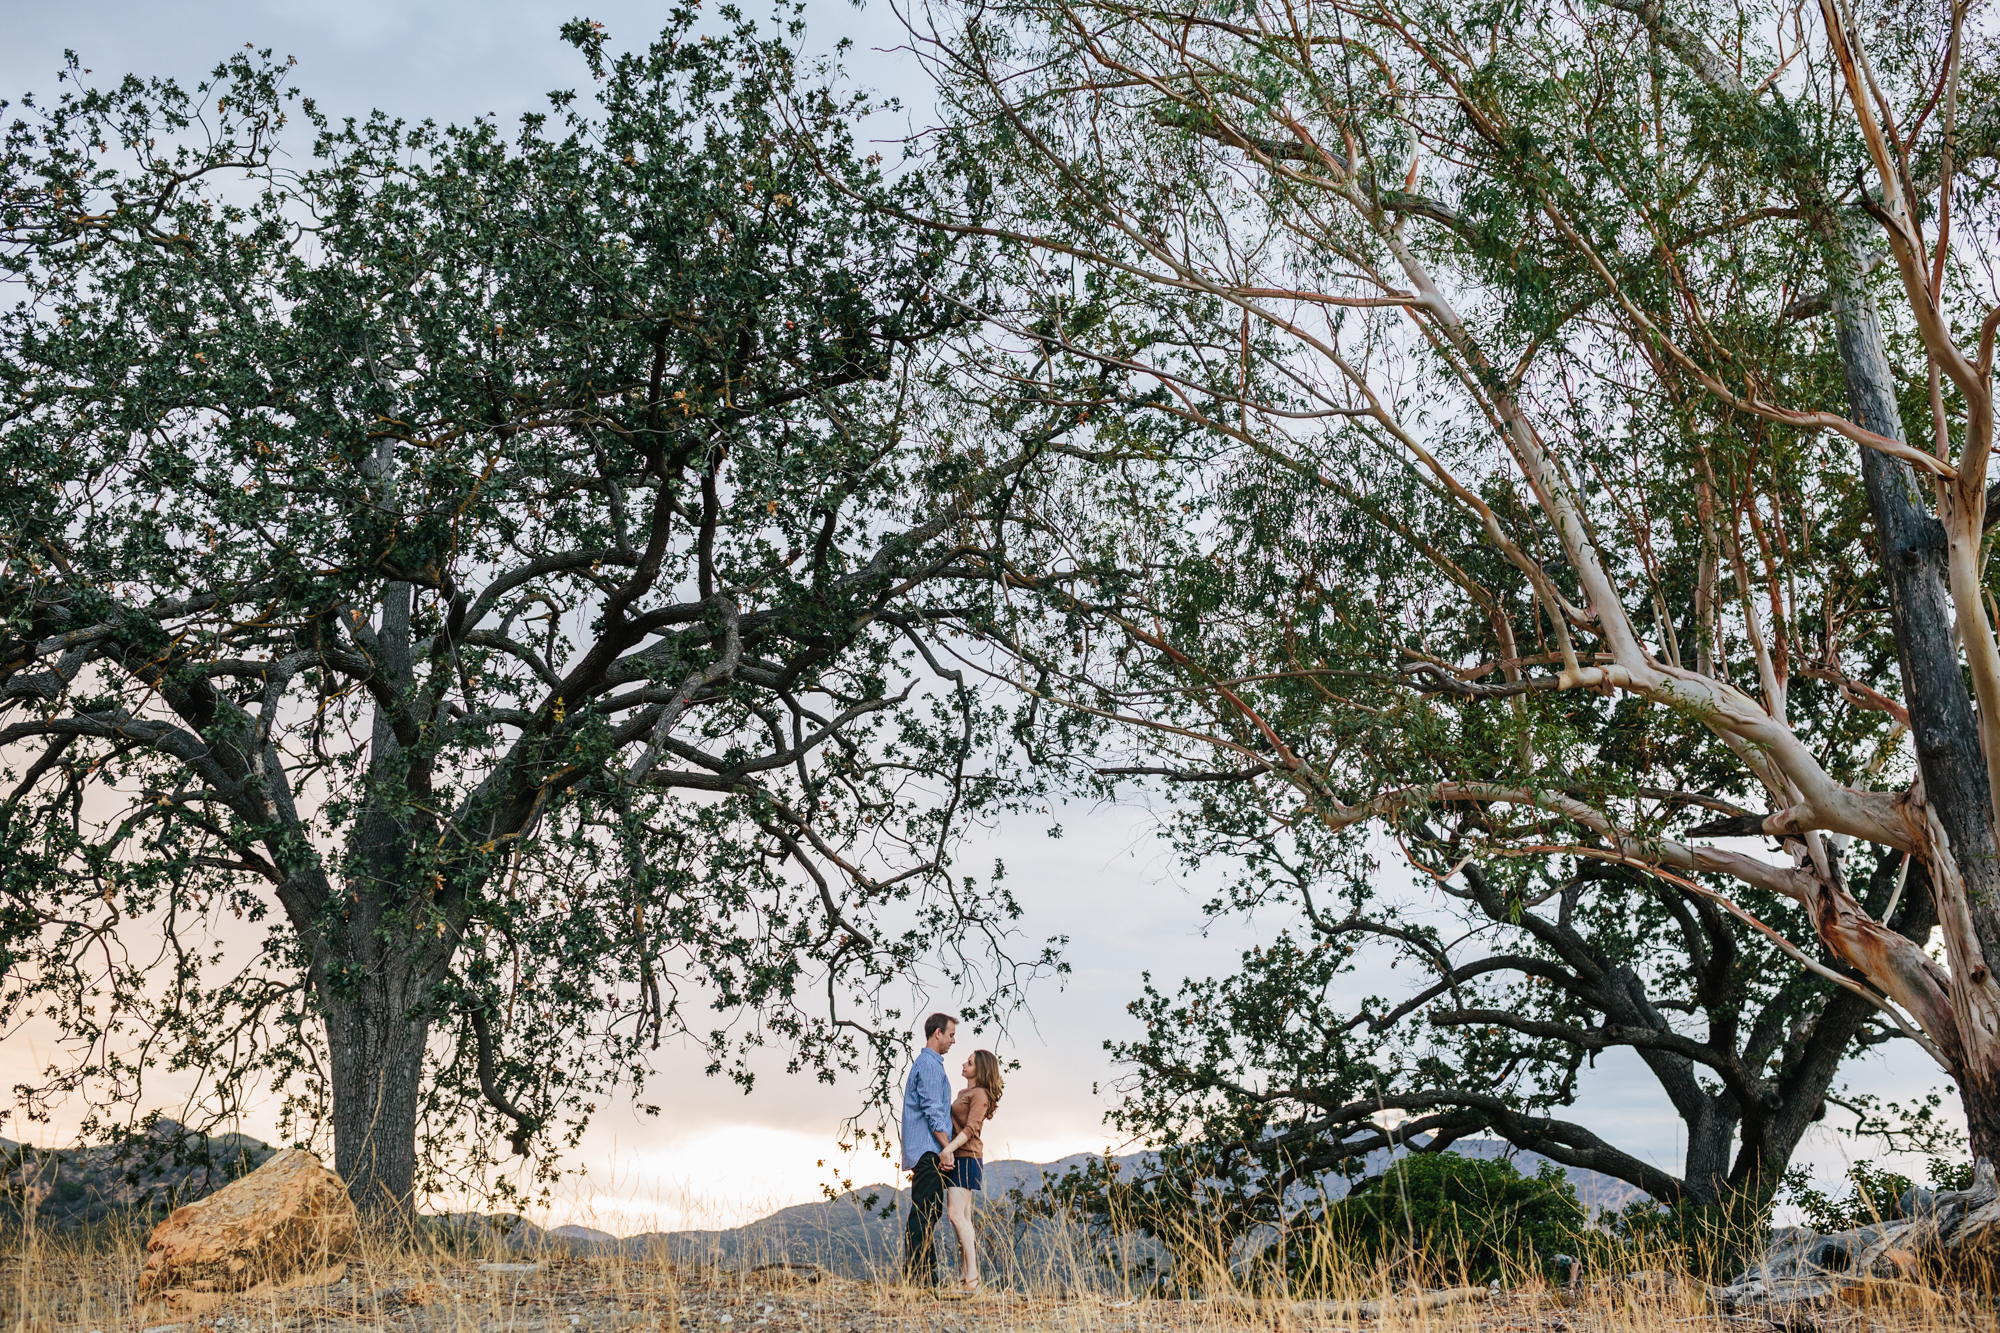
x,y
378,963
375,1037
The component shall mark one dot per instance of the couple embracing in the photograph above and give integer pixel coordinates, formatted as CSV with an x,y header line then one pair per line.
x,y
942,1150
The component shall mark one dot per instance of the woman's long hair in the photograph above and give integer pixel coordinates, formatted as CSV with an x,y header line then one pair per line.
x,y
986,1074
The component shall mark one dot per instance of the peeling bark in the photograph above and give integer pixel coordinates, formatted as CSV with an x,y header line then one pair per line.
x,y
1913,548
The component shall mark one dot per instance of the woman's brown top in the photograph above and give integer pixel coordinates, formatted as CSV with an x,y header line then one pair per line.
x,y
968,1116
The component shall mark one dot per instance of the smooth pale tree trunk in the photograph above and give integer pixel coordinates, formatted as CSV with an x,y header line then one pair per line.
x,y
1932,576
1913,553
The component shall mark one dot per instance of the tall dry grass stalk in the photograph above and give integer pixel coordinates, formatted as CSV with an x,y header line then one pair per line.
x,y
1055,1277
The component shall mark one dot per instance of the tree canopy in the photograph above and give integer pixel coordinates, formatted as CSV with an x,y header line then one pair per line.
x,y
472,595
1568,460
555,571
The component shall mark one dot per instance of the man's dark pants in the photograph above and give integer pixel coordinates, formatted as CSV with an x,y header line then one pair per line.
x,y
920,1230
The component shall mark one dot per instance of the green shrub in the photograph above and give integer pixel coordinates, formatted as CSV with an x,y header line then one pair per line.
x,y
1704,1240
1872,1194
1476,1218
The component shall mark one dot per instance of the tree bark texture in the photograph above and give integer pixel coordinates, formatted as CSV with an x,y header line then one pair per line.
x,y
377,1048
1913,550
379,960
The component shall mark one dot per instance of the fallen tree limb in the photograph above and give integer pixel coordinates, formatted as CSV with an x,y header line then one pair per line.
x,y
1958,1230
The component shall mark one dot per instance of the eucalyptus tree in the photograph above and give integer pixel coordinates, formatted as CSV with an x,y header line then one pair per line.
x,y
1582,415
469,597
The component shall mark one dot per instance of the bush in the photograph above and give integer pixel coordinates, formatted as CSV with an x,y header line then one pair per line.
x,y
1872,1194
1464,1213
1707,1241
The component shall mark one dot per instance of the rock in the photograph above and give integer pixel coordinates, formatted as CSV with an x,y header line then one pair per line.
x,y
1916,1202
286,1218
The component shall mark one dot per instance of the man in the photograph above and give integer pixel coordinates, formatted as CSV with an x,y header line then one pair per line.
x,y
926,1148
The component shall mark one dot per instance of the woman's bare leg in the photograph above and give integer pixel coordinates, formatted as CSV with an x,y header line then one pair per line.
x,y
958,1207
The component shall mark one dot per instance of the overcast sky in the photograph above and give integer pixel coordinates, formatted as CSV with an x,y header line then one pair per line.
x,y
716,1156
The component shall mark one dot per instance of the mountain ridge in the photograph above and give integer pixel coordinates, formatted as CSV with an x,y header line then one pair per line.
x,y
847,1234
149,1173
146,1174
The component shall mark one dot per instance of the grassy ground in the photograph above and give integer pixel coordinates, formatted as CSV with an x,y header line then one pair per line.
x,y
58,1284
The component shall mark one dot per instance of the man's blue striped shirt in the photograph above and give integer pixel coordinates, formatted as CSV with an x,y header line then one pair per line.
x,y
926,1107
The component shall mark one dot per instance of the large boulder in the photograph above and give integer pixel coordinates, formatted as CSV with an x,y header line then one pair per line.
x,y
288,1217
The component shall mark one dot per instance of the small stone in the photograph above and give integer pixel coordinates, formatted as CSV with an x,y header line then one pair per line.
x,y
510,1268
422,1293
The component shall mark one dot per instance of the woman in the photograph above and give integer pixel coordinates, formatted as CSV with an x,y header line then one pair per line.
x,y
969,1114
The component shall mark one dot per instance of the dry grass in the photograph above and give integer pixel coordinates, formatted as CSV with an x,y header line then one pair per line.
x,y
59,1284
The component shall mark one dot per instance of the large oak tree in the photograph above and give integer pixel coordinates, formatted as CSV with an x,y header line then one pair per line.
x,y
469,595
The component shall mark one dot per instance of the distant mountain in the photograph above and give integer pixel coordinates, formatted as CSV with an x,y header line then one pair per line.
x,y
588,1235
861,1231
148,1175
145,1176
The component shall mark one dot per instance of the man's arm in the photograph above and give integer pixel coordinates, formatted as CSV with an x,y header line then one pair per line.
x,y
936,1103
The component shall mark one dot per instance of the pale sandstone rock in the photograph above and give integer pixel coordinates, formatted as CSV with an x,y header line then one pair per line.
x,y
289,1216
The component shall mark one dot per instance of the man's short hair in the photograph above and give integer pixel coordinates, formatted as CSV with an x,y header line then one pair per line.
x,y
937,1023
